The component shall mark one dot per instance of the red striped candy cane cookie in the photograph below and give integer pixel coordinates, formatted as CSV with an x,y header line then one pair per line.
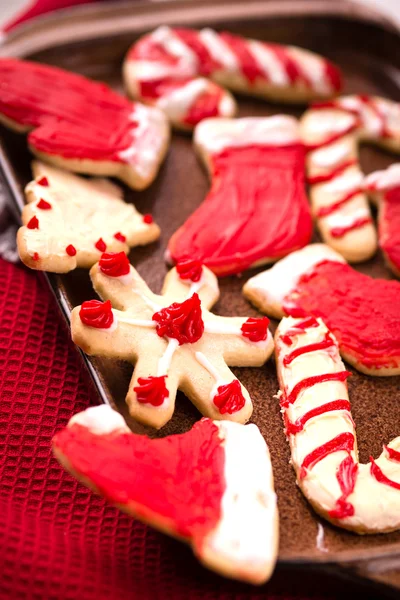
x,y
211,487
82,125
256,210
332,132
362,313
364,498
383,187
181,71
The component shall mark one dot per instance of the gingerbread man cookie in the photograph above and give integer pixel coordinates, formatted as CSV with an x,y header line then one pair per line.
x,y
383,187
332,132
70,221
82,125
364,498
211,487
171,68
363,313
172,338
253,162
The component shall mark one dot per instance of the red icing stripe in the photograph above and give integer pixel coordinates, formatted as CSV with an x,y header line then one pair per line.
x,y
248,64
190,37
205,106
333,75
298,329
332,174
178,480
332,138
298,425
337,232
331,208
290,65
381,477
326,343
151,390
346,476
308,382
342,442
392,454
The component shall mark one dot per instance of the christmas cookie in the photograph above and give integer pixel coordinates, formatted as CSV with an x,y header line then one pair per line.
x,y
364,498
82,125
172,69
70,221
211,487
172,338
383,187
362,313
256,210
332,132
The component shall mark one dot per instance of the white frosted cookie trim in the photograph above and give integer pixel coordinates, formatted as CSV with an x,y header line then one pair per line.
x,y
219,50
165,37
346,182
326,122
343,219
100,420
227,106
313,68
331,155
177,103
268,62
383,180
165,361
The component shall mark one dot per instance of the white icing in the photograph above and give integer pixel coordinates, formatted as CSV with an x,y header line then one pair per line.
x,y
313,67
268,62
346,219
384,180
227,106
219,327
324,123
100,420
219,50
177,103
346,182
165,361
203,360
216,134
123,317
148,70
246,534
332,155
165,37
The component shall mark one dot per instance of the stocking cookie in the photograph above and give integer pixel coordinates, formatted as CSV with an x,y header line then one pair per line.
x,y
256,210
383,187
70,221
211,487
172,68
363,313
82,125
332,132
172,338
364,498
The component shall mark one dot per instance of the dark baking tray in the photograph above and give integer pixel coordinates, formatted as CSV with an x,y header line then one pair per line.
x,y
93,40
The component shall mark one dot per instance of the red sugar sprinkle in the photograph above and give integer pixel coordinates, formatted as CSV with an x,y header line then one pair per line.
x,y
33,223
70,250
147,219
43,204
43,181
101,245
120,237
35,256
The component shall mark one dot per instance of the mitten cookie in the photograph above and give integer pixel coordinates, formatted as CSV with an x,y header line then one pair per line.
x,y
173,339
211,487
70,221
256,210
332,132
316,411
363,313
172,68
383,187
82,125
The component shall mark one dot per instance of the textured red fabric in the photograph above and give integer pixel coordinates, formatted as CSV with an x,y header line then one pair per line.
x,y
57,539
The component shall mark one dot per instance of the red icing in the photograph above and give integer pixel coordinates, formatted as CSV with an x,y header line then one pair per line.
x,y
35,256
299,424
114,264
362,313
33,223
323,211
43,205
342,442
177,480
256,330
70,115
240,222
381,477
43,181
190,268
207,64
229,398
357,224
392,453
346,476
248,64
94,313
205,106
389,226
331,174
310,382
181,321
70,250
148,219
334,75
120,237
298,329
151,390
323,345
101,245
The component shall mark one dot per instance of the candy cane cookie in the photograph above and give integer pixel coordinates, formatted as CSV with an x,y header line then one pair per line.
x,y
332,131
256,210
82,125
211,487
383,187
364,498
361,312
181,71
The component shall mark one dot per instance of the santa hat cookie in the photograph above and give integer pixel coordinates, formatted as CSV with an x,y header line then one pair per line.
x,y
211,487
172,338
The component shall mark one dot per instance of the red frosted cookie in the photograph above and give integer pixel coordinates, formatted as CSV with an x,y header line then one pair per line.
x,y
211,487
256,210
82,125
178,70
363,313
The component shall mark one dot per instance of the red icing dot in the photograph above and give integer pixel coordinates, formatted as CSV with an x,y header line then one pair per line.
x,y
148,219
114,264
33,223
189,268
101,245
181,321
70,250
256,330
229,397
43,205
43,181
35,256
151,390
120,237
94,313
